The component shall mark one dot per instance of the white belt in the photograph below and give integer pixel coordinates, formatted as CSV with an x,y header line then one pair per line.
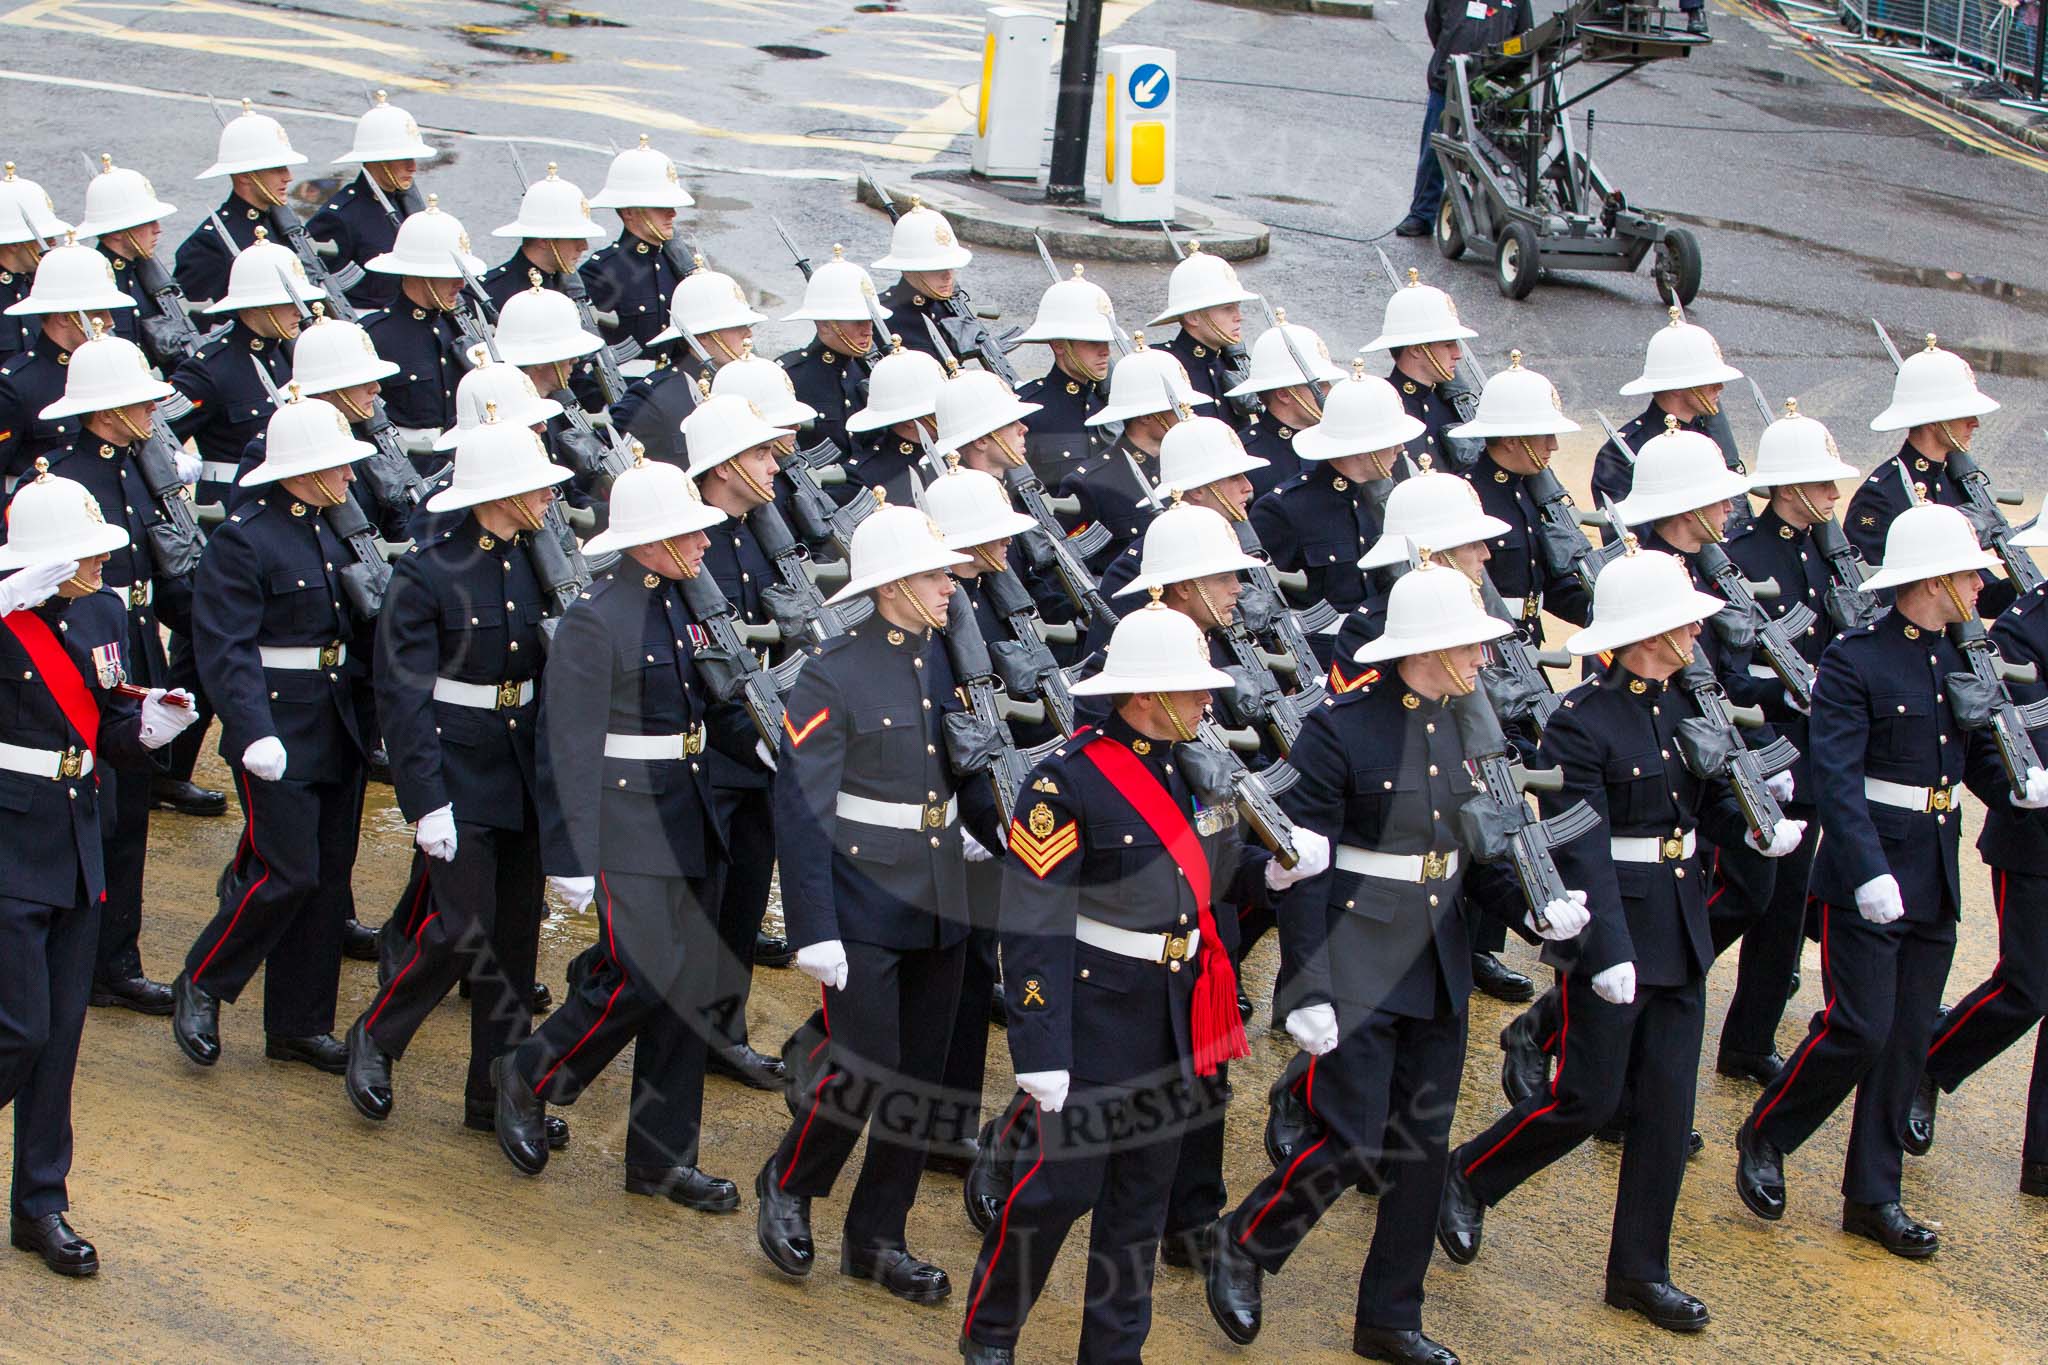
x,y
648,748
1923,799
218,471
1169,948
1397,867
1653,848
486,696
897,814
50,763
1524,608
310,658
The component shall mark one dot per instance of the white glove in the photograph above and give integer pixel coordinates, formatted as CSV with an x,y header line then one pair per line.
x,y
1779,785
1617,985
1313,859
765,754
163,722
436,834
1793,702
1568,918
1785,837
265,758
975,852
2037,791
578,891
1314,1027
32,586
1878,899
825,963
190,466
1049,1088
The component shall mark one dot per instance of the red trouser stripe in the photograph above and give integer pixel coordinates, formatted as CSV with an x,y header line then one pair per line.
x,y
249,840
1827,1008
1003,1228
1308,1099
1564,1002
1999,878
384,996
611,950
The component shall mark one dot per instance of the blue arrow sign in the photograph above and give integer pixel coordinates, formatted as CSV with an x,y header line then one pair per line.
x,y
1150,86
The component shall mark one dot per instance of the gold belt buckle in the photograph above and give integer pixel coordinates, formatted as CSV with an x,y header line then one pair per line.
x,y
935,817
71,763
1176,950
693,743
1940,799
330,655
1532,607
508,695
138,595
1671,848
1435,866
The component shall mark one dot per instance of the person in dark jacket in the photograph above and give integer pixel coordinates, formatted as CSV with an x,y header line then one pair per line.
x,y
1683,374
256,157
361,220
1455,27
1076,321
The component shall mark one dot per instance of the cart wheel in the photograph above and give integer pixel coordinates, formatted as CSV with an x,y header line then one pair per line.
x,y
1514,260
1677,267
1450,238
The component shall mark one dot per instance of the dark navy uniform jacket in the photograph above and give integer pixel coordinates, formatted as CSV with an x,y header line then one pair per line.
x,y
1079,847
427,349
43,865
908,309
466,607
1615,738
1430,405
654,406
508,277
1274,444
359,228
1109,495
1881,709
230,406
2015,839
1881,497
735,561
867,717
1382,769
1772,549
1320,523
1057,437
1614,476
635,280
1518,568
270,576
17,334
623,662
30,382
155,599
830,382
1212,372
884,460
204,260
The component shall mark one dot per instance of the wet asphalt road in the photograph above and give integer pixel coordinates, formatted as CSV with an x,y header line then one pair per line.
x,y
248,1213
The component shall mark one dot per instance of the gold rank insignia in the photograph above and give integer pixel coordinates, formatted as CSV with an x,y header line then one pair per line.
x,y
652,581
1040,843
1034,994
1637,686
1141,747
1785,533
1046,785
895,636
1410,701
1866,521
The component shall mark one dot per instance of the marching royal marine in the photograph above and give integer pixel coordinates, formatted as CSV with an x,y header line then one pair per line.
x,y
1074,321
72,283
1378,966
63,641
864,772
1888,757
632,280
1683,373
1204,297
1114,487
458,678
123,212
829,375
1421,329
354,227
416,332
1633,989
554,230
1288,396
271,625
710,308
256,158
888,434
923,248
1121,988
28,224
627,821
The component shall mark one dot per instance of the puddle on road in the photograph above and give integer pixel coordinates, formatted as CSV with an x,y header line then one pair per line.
x,y
483,38
1985,286
791,52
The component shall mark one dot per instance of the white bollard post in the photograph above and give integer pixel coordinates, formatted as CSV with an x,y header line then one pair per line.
x,y
1016,92
1138,102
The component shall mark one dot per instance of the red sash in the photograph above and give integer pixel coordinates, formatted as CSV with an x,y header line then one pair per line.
x,y
60,674
1217,1029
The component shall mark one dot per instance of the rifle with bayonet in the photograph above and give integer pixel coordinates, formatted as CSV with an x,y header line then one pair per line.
x,y
1981,700
1514,682
1980,499
1497,825
730,665
335,283
798,607
1049,547
978,739
968,333
171,335
409,198
476,321
1213,768
1258,699
1263,608
819,519
1024,663
1714,751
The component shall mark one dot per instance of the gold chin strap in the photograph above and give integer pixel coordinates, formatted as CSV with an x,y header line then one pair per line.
x,y
1444,376
79,582
1070,361
1706,527
561,266
334,499
1382,469
1948,585
990,560
917,604
1700,396
348,405
753,484
1305,399
121,416
1684,656
1218,618
1460,684
838,341
524,511
1015,457
1953,442
719,342
1541,462
1811,510
264,190
1228,505
682,566
1180,726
